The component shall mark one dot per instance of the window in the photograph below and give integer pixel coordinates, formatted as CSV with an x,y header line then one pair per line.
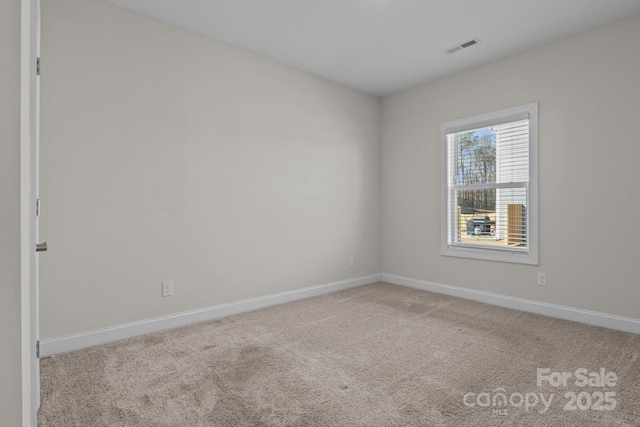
x,y
489,186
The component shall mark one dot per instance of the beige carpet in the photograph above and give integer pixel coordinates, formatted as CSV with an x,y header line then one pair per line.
x,y
377,355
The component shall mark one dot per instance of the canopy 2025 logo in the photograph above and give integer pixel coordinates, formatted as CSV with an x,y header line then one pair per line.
x,y
600,400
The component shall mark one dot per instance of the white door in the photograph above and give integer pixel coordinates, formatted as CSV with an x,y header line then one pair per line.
x,y
35,288
38,248
31,207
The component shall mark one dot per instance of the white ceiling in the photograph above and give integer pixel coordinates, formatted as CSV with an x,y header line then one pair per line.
x,y
384,46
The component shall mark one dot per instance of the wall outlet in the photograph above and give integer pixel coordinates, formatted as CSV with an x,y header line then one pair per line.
x,y
167,289
351,261
542,279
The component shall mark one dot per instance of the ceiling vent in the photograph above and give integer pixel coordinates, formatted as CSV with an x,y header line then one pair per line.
x,y
461,46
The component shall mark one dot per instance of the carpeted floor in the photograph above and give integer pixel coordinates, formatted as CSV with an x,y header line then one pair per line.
x,y
377,355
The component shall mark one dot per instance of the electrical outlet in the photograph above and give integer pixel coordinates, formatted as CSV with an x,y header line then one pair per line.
x,y
542,279
167,289
351,261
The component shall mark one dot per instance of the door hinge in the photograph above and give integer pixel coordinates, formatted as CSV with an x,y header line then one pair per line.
x,y
38,66
37,207
38,349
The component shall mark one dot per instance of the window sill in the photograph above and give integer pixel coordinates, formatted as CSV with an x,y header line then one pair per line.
x,y
489,254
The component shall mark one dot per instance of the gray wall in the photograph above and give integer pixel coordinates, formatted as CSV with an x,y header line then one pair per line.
x,y
169,156
589,145
10,368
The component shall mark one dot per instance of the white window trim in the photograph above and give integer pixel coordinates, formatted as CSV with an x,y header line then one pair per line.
x,y
529,256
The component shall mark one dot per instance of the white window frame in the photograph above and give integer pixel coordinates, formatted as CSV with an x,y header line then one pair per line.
x,y
498,253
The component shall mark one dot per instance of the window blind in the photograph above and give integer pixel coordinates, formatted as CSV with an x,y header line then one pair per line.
x,y
488,175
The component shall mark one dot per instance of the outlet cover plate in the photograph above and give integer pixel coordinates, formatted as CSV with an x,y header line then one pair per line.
x,y
167,289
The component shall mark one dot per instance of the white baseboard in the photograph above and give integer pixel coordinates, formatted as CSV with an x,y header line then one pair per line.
x,y
49,347
611,321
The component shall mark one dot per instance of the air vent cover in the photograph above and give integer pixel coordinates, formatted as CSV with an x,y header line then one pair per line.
x,y
461,46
